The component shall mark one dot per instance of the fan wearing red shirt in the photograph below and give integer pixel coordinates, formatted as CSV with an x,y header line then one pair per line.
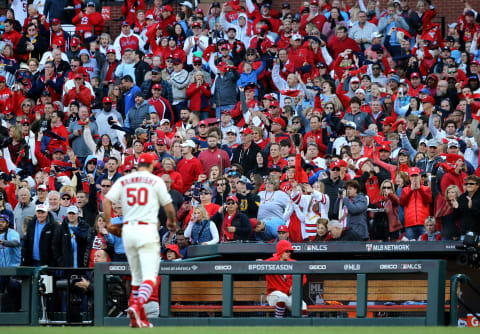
x,y
314,16
341,42
315,136
90,22
279,287
59,129
11,36
129,9
189,167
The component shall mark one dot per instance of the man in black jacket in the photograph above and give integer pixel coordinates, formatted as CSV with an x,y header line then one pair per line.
x,y
38,247
342,234
71,236
246,154
232,225
141,67
87,204
249,202
332,184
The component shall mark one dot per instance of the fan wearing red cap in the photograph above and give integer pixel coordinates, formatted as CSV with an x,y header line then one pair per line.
x,y
85,20
194,42
141,194
127,40
162,105
416,199
235,225
279,287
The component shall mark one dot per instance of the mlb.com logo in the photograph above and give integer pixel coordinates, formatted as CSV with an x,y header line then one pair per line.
x,y
369,247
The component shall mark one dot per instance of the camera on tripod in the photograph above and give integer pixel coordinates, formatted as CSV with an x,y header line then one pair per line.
x,y
471,246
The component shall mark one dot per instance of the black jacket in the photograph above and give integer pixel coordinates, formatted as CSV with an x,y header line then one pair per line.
x,y
63,242
248,204
91,235
246,158
468,216
331,189
40,46
141,68
47,247
240,221
90,210
349,235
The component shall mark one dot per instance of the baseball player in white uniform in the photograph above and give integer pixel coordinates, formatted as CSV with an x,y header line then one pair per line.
x,y
141,194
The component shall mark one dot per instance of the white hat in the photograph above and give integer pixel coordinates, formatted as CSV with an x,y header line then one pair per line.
x,y
376,34
188,143
41,207
72,209
187,3
351,124
360,90
296,37
165,120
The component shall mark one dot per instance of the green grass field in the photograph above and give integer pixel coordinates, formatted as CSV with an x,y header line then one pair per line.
x,y
239,330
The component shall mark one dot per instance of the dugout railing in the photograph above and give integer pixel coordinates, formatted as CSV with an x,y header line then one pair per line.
x,y
435,271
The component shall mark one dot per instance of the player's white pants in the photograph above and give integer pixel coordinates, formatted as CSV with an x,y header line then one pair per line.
x,y
142,247
278,296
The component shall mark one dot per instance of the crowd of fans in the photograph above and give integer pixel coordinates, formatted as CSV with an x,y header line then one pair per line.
x,y
342,121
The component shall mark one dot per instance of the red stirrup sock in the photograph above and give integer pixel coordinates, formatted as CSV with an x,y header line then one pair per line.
x,y
145,291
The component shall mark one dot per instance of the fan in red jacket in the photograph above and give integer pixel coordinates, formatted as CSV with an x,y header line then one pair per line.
x,y
11,36
314,16
90,22
279,287
199,94
129,9
79,93
341,42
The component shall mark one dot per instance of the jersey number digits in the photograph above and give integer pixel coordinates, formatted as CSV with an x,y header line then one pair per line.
x,y
137,196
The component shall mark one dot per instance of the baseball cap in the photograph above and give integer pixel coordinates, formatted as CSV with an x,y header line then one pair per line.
x,y
355,79
146,158
453,143
414,75
188,143
368,133
125,23
139,93
41,207
275,168
334,164
246,131
395,78
157,86
274,103
360,90
428,99
4,218
59,150
100,164
204,123
72,209
161,141
282,228
197,59
42,186
413,171
107,99
244,180
196,24
351,124
56,21
385,147
164,121
432,143
280,121
174,248
376,34
168,8
65,194
76,76
232,198
111,51
296,37
403,151
149,17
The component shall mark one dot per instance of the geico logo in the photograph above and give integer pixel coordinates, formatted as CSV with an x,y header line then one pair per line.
x,y
317,267
117,268
297,247
388,266
223,267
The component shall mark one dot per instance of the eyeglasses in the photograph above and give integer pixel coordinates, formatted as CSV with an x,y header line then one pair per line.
x,y
335,169
295,122
230,203
197,64
71,213
387,187
27,105
329,108
221,184
92,163
65,198
106,185
271,107
204,193
470,184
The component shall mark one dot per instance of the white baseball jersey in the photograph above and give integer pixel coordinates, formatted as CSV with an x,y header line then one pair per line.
x,y
142,194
